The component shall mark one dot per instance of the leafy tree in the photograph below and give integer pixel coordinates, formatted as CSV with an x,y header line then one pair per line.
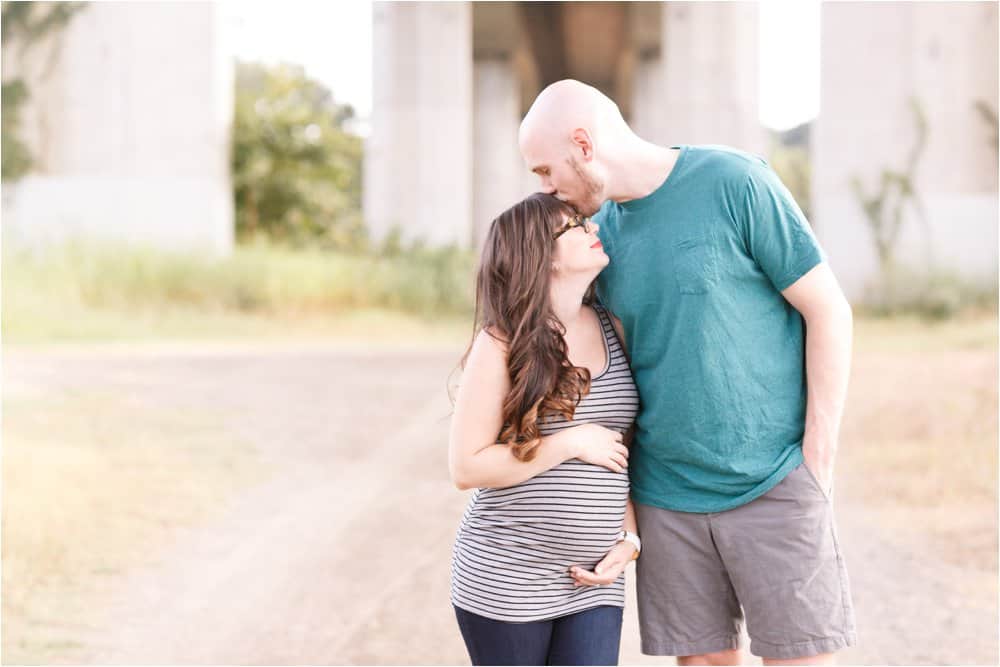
x,y
22,26
296,170
789,157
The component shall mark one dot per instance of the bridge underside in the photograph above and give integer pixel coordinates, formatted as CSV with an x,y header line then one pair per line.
x,y
452,81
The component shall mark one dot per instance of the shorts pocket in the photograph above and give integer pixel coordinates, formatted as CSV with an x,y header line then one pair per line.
x,y
815,482
695,265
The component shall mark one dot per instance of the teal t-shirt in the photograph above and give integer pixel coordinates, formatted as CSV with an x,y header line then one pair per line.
x,y
696,273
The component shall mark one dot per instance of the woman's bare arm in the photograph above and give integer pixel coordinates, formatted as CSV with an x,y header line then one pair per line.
x,y
475,460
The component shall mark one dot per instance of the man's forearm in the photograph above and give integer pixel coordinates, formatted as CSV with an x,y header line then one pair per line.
x,y
829,337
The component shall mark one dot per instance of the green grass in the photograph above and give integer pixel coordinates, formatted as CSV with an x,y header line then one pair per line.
x,y
87,292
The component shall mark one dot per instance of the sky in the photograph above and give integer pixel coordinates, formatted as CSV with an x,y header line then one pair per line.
x,y
789,62
333,41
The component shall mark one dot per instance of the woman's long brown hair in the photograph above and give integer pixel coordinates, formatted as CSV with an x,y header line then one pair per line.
x,y
513,306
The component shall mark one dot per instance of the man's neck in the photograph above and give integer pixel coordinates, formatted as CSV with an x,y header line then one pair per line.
x,y
640,170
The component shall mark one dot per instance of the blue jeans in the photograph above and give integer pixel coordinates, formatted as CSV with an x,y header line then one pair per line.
x,y
589,637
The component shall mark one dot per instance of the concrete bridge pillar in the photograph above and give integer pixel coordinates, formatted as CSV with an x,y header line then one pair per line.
x,y
878,60
418,162
497,166
128,119
702,88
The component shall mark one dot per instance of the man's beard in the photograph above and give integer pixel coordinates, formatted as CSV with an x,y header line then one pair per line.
x,y
592,188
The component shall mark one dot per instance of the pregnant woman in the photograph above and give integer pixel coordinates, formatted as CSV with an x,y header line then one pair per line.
x,y
545,399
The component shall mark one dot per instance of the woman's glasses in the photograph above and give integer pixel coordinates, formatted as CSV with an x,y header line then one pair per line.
x,y
575,221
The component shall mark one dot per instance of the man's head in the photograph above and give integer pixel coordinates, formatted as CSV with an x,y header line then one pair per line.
x,y
566,137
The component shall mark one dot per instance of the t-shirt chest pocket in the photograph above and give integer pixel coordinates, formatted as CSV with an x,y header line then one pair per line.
x,y
696,265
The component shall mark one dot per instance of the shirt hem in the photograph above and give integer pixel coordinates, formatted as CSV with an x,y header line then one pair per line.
x,y
695,508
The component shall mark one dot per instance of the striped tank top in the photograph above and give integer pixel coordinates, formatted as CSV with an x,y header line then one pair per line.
x,y
515,545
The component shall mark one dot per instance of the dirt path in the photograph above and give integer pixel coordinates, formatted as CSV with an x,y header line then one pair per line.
x,y
342,556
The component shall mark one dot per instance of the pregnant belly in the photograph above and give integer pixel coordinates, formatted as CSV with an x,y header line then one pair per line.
x,y
570,513
543,533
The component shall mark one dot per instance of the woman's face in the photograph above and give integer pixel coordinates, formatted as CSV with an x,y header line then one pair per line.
x,y
577,249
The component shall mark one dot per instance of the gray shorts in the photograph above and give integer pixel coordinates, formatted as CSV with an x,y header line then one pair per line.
x,y
777,556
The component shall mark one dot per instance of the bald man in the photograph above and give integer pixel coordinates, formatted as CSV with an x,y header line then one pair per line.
x,y
716,277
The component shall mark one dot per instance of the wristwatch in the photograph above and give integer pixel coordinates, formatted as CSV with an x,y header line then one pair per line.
x,y
633,539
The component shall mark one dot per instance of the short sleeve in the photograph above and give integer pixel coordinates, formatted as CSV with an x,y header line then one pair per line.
x,y
775,230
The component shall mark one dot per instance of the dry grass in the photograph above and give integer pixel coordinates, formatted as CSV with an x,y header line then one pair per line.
x,y
92,486
919,440
76,323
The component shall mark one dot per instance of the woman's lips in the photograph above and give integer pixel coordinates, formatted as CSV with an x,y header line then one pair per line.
x,y
597,245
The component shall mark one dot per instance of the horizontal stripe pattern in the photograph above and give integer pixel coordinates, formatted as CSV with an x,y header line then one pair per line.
x,y
515,545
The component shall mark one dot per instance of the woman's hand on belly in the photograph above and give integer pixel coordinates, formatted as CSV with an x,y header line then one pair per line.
x,y
599,445
608,570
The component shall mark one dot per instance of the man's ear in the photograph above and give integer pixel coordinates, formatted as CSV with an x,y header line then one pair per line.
x,y
581,141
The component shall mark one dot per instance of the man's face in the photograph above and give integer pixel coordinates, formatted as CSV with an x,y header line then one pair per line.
x,y
565,176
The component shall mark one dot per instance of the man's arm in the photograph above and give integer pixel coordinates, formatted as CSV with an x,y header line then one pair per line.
x,y
829,332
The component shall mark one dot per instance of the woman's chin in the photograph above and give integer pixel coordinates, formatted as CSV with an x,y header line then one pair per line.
x,y
600,265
